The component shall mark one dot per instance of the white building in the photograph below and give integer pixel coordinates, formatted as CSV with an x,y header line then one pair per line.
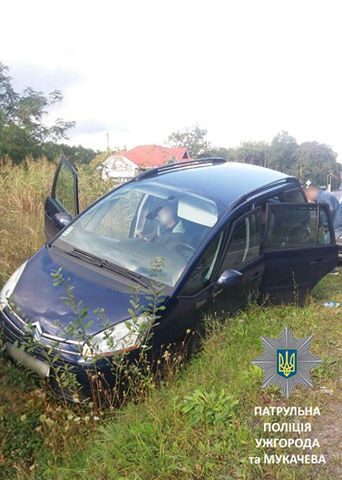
x,y
125,165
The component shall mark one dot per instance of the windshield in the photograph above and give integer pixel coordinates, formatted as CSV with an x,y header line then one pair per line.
x,y
143,221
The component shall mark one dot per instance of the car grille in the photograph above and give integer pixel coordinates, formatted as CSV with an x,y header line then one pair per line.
x,y
13,330
16,330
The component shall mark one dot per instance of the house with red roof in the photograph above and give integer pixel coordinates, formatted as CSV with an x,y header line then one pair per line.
x,y
126,164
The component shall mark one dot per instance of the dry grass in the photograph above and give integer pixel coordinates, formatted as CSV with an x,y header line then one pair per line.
x,y
23,189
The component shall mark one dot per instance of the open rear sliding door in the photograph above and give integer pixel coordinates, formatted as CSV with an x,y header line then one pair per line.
x,y
299,249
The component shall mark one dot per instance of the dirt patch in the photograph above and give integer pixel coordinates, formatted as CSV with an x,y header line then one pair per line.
x,y
328,430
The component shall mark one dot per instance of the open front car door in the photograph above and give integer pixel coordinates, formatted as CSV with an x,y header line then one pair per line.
x,y
62,205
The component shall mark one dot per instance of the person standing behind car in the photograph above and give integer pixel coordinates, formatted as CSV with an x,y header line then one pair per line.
x,y
315,194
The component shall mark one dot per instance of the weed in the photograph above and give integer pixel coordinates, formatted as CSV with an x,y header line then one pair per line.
x,y
210,407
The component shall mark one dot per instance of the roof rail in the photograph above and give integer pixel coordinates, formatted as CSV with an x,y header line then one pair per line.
x,y
153,172
275,183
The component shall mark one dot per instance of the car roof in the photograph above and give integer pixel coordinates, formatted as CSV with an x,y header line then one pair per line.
x,y
225,182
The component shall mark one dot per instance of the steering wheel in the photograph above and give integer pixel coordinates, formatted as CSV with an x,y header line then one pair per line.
x,y
185,249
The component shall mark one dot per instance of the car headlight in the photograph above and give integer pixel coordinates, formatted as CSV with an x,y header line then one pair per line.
x,y
10,285
123,337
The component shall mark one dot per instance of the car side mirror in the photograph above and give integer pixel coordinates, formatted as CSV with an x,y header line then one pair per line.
x,y
230,278
62,219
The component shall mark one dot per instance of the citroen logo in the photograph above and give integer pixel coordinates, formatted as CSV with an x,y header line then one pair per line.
x,y
36,329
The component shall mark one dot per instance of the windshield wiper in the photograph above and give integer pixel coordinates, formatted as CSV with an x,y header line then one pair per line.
x,y
102,263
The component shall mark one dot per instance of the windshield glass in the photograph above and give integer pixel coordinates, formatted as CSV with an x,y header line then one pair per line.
x,y
140,222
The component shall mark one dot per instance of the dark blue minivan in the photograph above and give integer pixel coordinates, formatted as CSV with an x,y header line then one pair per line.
x,y
224,230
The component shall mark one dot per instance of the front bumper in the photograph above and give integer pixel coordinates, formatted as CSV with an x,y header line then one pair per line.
x,y
52,360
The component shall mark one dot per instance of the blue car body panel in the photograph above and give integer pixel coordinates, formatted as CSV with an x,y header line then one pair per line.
x,y
41,301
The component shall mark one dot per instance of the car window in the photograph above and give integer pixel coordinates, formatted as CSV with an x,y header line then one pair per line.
x,y
273,199
65,189
245,242
290,226
293,196
202,272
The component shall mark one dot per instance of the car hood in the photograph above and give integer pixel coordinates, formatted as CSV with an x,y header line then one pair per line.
x,y
36,299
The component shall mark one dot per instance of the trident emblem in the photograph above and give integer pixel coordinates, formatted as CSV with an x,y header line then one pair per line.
x,y
286,362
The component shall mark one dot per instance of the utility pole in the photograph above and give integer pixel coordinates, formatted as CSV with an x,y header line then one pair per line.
x,y
107,142
329,177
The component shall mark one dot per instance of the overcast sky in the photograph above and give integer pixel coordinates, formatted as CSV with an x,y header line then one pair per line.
x,y
140,69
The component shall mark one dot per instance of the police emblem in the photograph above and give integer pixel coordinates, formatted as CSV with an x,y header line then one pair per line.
x,y
287,361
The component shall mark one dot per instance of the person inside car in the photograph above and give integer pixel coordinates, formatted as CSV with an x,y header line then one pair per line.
x,y
169,228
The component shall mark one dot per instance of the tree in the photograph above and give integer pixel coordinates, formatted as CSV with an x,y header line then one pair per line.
x,y
255,153
227,153
192,138
308,161
314,161
283,148
23,130
76,154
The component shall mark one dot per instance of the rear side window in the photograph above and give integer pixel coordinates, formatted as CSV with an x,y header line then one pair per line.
x,y
293,196
295,225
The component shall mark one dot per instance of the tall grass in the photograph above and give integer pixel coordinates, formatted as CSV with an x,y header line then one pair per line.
x,y
23,189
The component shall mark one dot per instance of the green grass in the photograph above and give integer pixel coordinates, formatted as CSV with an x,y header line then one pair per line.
x,y
199,424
